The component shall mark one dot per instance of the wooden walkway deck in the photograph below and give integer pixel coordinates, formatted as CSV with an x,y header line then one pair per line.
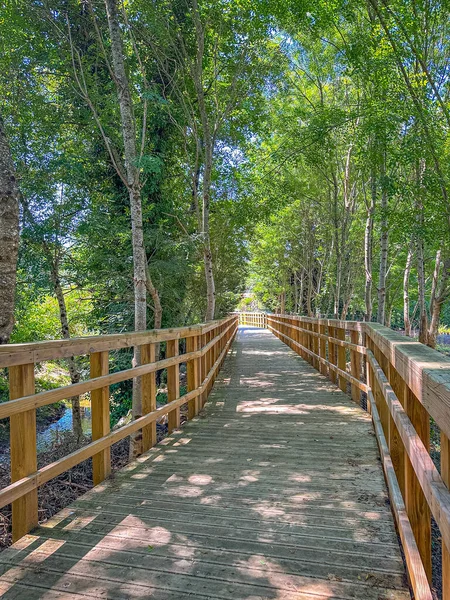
x,y
276,492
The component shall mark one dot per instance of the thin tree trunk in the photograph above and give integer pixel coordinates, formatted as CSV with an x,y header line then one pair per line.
x,y
423,317
9,236
157,319
440,295
368,250
406,317
384,241
134,190
73,369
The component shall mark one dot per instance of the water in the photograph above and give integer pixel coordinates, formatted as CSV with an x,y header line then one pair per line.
x,y
48,437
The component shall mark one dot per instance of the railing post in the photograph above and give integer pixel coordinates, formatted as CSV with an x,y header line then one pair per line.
x,y
416,504
355,366
396,446
149,437
193,374
322,349
23,450
445,474
332,354
101,462
173,384
315,345
341,358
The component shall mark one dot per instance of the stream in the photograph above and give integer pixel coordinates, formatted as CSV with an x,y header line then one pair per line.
x,y
49,436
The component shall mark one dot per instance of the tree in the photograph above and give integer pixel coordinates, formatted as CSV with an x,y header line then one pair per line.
x,y
9,236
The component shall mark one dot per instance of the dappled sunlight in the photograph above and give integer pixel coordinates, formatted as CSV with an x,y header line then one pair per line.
x,y
274,492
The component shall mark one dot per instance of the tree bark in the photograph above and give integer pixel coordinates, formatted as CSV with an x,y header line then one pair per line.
x,y
439,296
368,251
423,317
406,317
73,369
9,236
128,127
384,242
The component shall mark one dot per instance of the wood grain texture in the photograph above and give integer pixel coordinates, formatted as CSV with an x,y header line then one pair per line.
x,y
101,462
23,450
276,491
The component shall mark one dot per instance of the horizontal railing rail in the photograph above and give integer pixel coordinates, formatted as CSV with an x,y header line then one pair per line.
x,y
206,348
252,319
402,383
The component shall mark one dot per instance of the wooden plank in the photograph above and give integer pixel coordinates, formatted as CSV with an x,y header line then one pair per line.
x,y
355,365
203,493
418,577
101,462
193,375
323,349
173,385
338,372
445,474
332,353
149,438
415,499
23,450
425,371
424,488
33,481
49,397
17,354
341,360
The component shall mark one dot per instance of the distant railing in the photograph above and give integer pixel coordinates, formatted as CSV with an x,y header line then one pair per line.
x,y
253,319
206,347
402,383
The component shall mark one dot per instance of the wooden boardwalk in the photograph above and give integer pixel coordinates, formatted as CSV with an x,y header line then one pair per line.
x,y
275,492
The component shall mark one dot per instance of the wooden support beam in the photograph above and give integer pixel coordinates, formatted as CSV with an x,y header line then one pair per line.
x,y
445,474
101,462
149,437
332,353
173,385
416,503
341,357
193,375
23,450
355,365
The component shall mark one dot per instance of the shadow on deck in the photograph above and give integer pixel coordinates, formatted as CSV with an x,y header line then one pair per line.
x,y
275,491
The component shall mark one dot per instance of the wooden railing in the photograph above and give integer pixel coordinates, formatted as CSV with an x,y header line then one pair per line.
x,y
206,347
402,383
252,319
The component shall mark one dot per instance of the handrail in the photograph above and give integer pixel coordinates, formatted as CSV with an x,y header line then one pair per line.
x,y
206,348
405,383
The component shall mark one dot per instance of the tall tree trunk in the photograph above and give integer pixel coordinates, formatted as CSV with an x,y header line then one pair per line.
x,y
73,369
368,251
9,236
423,317
384,241
439,295
134,190
406,317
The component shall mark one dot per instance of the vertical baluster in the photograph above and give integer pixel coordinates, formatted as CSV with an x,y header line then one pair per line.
x,y
101,462
148,396
332,354
355,366
416,504
322,349
341,358
445,473
193,374
23,449
173,384
396,447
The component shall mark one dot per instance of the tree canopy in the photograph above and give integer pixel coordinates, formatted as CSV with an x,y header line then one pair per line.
x,y
160,159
